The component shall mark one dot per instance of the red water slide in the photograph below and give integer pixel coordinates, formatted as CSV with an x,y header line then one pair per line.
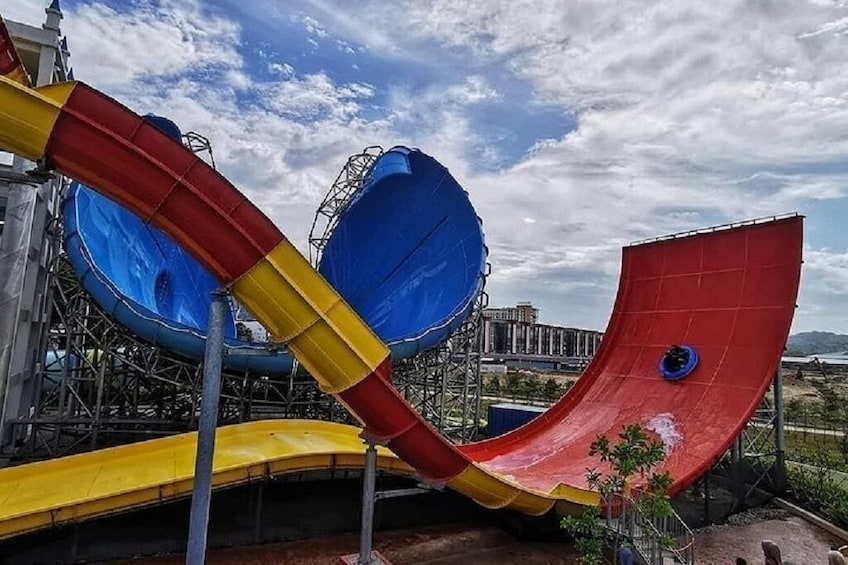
x,y
729,293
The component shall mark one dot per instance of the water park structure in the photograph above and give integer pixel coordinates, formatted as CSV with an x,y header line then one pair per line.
x,y
348,319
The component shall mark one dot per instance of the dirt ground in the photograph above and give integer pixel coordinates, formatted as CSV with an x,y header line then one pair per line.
x,y
469,544
800,542
462,544
801,390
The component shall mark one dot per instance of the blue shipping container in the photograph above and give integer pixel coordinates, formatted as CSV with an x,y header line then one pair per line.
x,y
507,417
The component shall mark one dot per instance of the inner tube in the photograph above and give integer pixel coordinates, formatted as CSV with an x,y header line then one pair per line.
x,y
685,370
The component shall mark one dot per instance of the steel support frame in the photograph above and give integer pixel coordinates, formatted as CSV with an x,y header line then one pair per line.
x,y
370,496
348,182
444,383
757,458
105,386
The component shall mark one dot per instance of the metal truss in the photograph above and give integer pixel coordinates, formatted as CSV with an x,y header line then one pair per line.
x,y
756,461
348,183
200,146
444,383
761,449
101,385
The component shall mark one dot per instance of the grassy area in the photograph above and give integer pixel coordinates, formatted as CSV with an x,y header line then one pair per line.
x,y
544,389
816,432
817,449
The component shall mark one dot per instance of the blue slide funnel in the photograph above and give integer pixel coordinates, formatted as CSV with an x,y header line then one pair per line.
x,y
407,254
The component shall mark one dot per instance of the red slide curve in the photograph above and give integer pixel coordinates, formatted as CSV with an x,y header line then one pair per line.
x,y
729,293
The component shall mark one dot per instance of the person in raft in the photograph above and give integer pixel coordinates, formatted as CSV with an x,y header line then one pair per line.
x,y
675,358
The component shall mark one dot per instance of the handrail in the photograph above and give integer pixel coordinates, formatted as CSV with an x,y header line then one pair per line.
x,y
646,534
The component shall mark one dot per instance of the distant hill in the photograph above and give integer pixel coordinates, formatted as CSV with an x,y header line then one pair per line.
x,y
811,343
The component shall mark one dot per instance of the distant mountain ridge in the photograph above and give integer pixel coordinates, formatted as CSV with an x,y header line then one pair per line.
x,y
811,343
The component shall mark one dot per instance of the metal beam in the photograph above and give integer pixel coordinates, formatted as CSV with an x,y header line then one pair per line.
x,y
202,494
780,435
369,482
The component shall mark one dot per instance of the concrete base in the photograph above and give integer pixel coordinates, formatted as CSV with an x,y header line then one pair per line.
x,y
353,559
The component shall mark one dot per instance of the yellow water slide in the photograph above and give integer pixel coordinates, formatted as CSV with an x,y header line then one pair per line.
x,y
79,487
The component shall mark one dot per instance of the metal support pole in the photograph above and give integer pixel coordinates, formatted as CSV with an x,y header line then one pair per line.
x,y
260,495
780,437
202,494
369,481
100,384
737,475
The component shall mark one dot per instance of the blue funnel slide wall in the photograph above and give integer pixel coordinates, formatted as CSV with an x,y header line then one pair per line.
x,y
407,253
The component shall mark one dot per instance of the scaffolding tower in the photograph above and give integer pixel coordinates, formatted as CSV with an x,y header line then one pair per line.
x,y
101,385
757,459
29,202
444,383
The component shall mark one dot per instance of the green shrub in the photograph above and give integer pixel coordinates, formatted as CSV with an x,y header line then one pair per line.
x,y
634,455
821,491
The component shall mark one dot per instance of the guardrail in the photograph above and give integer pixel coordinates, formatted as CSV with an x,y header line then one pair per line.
x,y
655,538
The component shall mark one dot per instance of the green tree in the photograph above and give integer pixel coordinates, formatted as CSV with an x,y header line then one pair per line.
x,y
493,385
551,390
530,388
513,385
634,456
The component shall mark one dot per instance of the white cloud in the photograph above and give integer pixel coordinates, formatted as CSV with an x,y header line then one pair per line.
x,y
237,79
688,113
315,96
24,11
474,90
154,39
312,26
824,283
282,69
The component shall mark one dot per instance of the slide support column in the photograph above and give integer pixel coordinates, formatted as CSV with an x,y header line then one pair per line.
x,y
780,437
369,482
211,392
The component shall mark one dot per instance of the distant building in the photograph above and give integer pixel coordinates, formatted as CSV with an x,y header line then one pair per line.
x,y
818,364
522,312
512,335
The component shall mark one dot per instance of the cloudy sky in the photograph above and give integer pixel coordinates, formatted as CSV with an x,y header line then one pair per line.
x,y
577,127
